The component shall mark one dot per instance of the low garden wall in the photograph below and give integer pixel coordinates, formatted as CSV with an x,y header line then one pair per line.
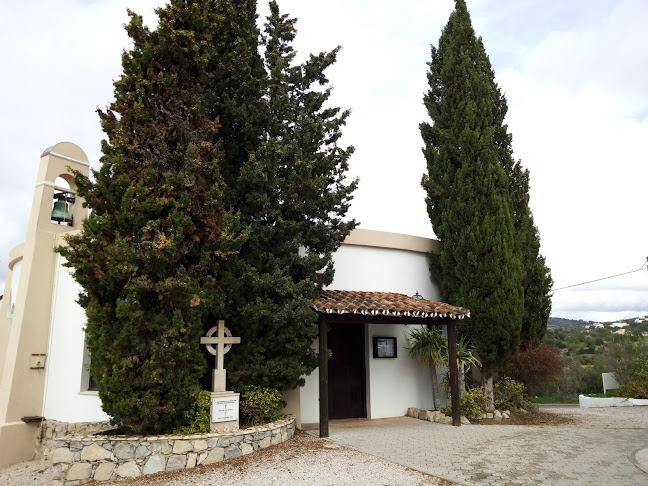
x,y
52,430
80,458
433,416
592,402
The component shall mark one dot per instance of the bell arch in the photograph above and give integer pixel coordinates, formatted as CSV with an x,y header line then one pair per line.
x,y
59,204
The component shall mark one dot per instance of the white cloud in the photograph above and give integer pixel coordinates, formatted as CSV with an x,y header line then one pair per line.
x,y
573,105
608,56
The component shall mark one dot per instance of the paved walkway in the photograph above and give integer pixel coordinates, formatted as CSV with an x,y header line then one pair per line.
x,y
506,455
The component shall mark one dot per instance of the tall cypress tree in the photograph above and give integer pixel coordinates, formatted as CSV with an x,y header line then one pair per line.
x,y
198,132
537,281
237,85
292,192
469,197
149,255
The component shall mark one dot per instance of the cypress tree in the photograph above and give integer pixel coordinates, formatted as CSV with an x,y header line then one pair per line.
x,y
149,255
469,197
236,89
537,281
292,192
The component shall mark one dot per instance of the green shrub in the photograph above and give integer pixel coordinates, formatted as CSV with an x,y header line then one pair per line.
x,y
260,405
511,395
471,404
197,417
633,389
639,369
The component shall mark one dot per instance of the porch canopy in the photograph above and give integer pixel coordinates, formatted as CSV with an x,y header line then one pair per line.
x,y
347,306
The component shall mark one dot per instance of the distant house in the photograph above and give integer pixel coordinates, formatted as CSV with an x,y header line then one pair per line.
x,y
597,325
619,325
620,331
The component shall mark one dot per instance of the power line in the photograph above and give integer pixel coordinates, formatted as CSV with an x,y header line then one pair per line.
x,y
604,278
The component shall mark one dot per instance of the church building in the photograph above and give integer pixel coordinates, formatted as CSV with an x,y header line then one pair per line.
x,y
381,291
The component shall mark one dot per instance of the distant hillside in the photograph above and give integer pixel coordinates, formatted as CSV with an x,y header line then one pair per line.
x,y
561,322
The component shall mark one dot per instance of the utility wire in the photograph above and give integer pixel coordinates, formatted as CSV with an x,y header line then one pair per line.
x,y
604,278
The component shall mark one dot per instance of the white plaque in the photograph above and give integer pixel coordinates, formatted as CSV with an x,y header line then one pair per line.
x,y
225,409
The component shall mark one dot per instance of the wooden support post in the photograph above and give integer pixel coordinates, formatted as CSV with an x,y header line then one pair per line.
x,y
454,372
323,378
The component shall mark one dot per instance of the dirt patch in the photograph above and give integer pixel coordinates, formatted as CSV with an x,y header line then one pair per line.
x,y
531,418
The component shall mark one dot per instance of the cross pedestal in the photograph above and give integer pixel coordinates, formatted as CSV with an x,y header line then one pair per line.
x,y
224,404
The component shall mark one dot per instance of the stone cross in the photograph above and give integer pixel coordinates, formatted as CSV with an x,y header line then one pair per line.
x,y
223,341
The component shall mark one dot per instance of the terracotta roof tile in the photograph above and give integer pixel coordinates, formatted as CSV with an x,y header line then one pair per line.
x,y
384,304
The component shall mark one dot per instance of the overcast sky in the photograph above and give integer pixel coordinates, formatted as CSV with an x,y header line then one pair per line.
x,y
574,74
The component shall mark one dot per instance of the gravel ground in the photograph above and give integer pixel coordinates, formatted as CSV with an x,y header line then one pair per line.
x,y
314,461
605,418
303,460
36,473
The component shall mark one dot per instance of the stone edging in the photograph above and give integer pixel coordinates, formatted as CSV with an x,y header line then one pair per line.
x,y
433,416
78,459
441,418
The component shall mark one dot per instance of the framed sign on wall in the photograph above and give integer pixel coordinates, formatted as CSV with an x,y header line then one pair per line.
x,y
384,347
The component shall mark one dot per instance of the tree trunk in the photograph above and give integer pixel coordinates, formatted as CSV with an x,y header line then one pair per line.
x,y
462,380
487,382
435,385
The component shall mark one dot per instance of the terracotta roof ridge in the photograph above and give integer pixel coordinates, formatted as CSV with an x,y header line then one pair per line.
x,y
384,304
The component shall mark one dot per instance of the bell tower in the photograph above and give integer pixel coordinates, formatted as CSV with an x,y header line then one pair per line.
x,y
25,316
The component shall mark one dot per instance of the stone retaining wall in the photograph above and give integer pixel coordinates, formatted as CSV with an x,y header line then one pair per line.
x,y
78,459
53,429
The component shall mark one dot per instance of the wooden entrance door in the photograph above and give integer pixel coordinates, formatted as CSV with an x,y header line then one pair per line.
x,y
347,382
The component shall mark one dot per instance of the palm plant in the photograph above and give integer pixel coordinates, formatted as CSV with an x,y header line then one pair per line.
x,y
465,357
429,346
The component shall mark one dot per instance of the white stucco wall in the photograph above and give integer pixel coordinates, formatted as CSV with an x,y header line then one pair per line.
x,y
398,383
393,385
309,395
383,270
64,400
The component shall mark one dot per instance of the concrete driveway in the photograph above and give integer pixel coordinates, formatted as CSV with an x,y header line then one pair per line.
x,y
605,448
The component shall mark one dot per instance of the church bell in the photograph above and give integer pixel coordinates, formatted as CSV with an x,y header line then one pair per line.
x,y
60,211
